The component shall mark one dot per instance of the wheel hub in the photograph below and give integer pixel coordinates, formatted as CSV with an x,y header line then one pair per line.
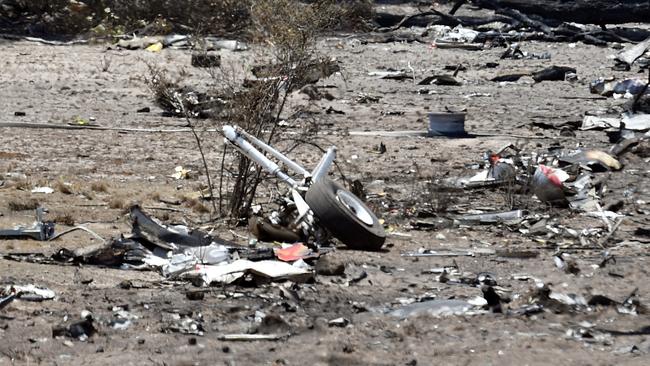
x,y
352,203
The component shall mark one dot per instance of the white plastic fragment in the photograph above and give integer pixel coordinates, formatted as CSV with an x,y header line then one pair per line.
x,y
31,292
227,273
635,122
478,301
180,173
45,190
211,254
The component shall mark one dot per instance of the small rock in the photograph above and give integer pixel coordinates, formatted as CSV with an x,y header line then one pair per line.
x,y
273,323
80,330
627,349
329,266
144,110
20,114
331,110
338,322
194,295
614,206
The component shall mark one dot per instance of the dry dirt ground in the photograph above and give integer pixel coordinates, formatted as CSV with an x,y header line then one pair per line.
x,y
105,170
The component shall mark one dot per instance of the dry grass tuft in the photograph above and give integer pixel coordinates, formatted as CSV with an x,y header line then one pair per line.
x,y
64,219
88,195
63,187
117,203
22,205
155,196
23,184
197,206
99,187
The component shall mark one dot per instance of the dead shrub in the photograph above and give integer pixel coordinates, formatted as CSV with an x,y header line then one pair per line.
x,y
291,23
105,63
344,14
289,27
197,206
22,205
439,197
64,219
163,89
100,187
22,184
117,203
62,187
164,216
155,196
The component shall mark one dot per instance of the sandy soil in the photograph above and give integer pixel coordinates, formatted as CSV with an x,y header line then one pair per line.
x,y
108,169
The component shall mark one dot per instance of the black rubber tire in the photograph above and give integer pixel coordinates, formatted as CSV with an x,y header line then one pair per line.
x,y
339,220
